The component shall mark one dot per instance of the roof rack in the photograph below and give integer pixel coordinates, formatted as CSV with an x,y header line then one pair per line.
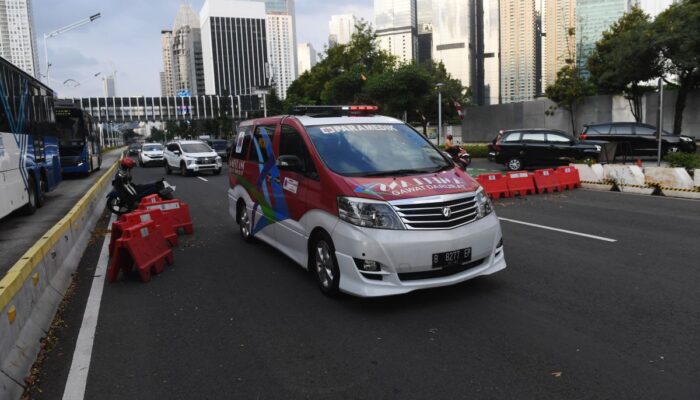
x,y
335,111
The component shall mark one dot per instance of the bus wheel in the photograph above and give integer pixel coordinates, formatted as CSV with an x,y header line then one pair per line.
x,y
30,207
43,188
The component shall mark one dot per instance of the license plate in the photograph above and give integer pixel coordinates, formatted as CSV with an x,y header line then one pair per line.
x,y
452,258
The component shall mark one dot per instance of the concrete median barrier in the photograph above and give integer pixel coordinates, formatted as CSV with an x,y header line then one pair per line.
x,y
696,180
673,182
627,178
593,177
33,288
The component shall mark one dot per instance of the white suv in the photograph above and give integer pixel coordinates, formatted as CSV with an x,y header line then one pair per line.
x,y
150,153
191,156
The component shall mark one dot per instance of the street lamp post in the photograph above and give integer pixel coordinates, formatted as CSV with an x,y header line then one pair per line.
x,y
59,31
660,129
439,87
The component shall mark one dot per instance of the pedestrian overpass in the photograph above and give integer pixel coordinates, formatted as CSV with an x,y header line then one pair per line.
x,y
173,108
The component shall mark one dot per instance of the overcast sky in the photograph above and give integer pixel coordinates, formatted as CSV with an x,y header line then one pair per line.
x,y
127,39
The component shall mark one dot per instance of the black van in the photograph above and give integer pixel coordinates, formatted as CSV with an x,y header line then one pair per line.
x,y
540,147
637,139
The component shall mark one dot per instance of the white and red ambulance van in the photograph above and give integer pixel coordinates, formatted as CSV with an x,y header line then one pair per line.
x,y
365,202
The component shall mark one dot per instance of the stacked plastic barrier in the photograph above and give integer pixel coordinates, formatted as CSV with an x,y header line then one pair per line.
x,y
523,183
142,239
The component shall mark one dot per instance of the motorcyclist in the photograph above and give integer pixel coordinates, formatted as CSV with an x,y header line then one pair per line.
x,y
450,146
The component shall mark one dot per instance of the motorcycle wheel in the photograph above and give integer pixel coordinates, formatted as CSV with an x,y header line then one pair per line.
x,y
114,205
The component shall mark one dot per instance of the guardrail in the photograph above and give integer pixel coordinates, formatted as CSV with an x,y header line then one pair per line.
x,y
33,288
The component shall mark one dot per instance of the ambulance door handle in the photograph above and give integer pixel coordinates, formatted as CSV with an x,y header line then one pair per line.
x,y
278,181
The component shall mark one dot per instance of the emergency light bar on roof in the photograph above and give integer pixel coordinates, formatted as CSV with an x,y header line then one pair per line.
x,y
335,111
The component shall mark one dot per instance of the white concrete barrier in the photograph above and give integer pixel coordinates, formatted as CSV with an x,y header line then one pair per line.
x,y
592,177
673,182
33,288
696,175
674,178
627,178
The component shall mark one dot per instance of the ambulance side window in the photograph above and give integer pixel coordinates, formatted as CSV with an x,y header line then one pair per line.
x,y
247,138
292,144
263,139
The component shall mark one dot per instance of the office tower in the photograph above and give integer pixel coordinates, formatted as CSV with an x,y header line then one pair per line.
x,y
109,86
166,76
307,57
396,28
453,41
187,62
234,45
281,51
518,50
424,19
593,17
491,54
559,37
341,28
278,6
17,38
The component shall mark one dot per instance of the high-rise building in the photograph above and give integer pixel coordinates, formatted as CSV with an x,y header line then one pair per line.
x,y
341,28
307,57
518,50
279,6
166,76
424,19
187,62
453,38
396,28
234,45
559,37
490,56
281,51
109,86
593,17
17,36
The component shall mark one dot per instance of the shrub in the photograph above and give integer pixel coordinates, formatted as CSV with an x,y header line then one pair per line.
x,y
689,161
477,150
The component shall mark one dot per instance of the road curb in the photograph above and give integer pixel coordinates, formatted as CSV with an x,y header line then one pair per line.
x,y
33,288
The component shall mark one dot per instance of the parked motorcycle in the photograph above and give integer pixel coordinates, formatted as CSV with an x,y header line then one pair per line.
x,y
125,196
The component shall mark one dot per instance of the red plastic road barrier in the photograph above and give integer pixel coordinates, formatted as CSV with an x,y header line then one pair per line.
x,y
568,178
176,210
495,185
151,198
520,183
163,223
141,246
546,181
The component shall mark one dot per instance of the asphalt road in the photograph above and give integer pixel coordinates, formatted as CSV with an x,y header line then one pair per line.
x,y
570,318
19,232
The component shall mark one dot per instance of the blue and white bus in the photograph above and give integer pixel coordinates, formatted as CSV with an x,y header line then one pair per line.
x,y
79,139
29,158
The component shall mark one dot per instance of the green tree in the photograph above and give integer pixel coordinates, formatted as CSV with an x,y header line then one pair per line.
x,y
343,71
452,91
676,35
626,57
157,135
569,91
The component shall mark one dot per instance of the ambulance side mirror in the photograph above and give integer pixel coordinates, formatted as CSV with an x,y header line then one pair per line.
x,y
290,163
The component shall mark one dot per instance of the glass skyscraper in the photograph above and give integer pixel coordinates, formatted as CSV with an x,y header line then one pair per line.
x,y
593,17
396,27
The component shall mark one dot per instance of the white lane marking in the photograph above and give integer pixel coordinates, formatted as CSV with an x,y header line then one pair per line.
x,y
559,230
205,180
77,376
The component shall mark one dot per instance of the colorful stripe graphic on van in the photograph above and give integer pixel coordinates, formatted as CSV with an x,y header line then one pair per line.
x,y
274,209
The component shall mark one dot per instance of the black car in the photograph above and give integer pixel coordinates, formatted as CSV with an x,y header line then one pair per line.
x,y
134,149
637,139
220,146
540,147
